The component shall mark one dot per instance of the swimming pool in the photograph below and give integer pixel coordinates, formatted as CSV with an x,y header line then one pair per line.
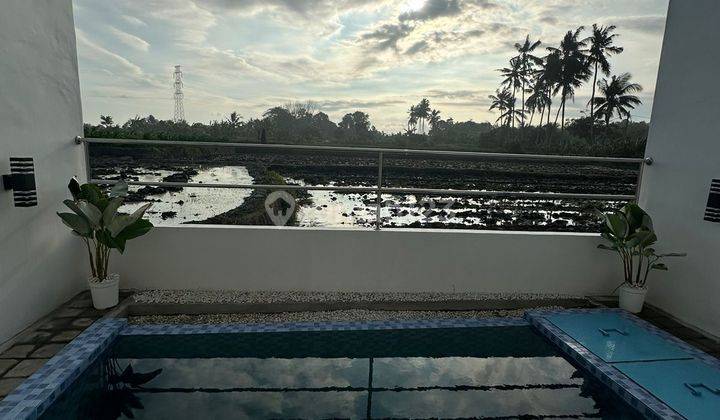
x,y
489,372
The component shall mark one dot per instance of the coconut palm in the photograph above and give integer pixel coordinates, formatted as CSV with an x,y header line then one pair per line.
x,y
539,98
601,48
504,102
513,78
526,61
617,97
234,119
422,111
549,75
106,121
434,118
412,120
574,68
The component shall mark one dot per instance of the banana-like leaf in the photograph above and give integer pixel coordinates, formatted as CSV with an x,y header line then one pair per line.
x,y
123,221
105,238
118,190
77,223
74,187
92,213
111,211
91,193
137,229
618,224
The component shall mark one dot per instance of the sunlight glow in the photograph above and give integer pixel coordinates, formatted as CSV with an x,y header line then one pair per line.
x,y
413,5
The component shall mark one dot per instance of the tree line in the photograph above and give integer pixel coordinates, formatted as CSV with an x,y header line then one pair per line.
x,y
558,74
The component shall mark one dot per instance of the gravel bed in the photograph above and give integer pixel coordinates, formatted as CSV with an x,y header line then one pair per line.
x,y
348,315
234,296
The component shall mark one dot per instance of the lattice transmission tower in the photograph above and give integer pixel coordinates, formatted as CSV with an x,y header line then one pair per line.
x,y
179,114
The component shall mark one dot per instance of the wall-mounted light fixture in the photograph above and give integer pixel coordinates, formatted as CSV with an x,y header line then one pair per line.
x,y
22,181
712,211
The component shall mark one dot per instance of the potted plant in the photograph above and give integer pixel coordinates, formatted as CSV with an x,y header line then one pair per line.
x,y
95,219
630,233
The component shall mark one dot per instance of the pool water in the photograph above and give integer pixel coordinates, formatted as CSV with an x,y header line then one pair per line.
x,y
486,373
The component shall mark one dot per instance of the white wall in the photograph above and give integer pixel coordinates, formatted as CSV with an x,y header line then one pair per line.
x,y
40,114
685,143
247,258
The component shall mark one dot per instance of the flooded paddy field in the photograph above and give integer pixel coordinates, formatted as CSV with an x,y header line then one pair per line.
x,y
353,209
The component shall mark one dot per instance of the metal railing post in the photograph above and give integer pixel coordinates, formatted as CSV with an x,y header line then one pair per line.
x,y
378,216
86,157
646,162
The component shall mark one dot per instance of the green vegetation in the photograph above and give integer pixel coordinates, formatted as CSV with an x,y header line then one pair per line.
x,y
631,234
95,219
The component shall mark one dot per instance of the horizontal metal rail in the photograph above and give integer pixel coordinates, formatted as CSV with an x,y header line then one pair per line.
x,y
386,151
378,189
385,190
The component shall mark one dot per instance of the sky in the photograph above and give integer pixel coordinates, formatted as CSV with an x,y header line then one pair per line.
x,y
377,56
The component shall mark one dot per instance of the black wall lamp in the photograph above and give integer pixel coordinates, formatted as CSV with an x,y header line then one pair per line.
x,y
712,211
22,181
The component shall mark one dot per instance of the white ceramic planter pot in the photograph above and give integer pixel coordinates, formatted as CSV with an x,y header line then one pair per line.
x,y
632,299
105,294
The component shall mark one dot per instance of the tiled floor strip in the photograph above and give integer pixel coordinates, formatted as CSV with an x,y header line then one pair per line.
x,y
41,389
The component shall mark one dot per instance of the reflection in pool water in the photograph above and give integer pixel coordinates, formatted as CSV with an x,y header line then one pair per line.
x,y
496,373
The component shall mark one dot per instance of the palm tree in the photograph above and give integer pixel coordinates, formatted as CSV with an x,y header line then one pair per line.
x,y
504,102
422,113
234,119
434,119
601,47
549,76
617,97
539,98
106,121
513,78
412,120
526,62
574,68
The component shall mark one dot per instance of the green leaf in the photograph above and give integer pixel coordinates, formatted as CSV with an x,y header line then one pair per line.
x,y
105,238
77,223
618,225
93,215
111,211
92,193
74,187
635,216
125,220
659,266
137,229
118,190
608,248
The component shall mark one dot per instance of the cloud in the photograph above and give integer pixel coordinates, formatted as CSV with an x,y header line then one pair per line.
x,y
91,51
130,40
433,9
324,15
353,104
132,20
651,24
387,36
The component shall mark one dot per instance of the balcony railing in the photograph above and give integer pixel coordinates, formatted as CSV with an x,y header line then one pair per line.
x,y
381,154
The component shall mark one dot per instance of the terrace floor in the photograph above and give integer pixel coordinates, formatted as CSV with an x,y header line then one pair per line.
x,y
26,353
